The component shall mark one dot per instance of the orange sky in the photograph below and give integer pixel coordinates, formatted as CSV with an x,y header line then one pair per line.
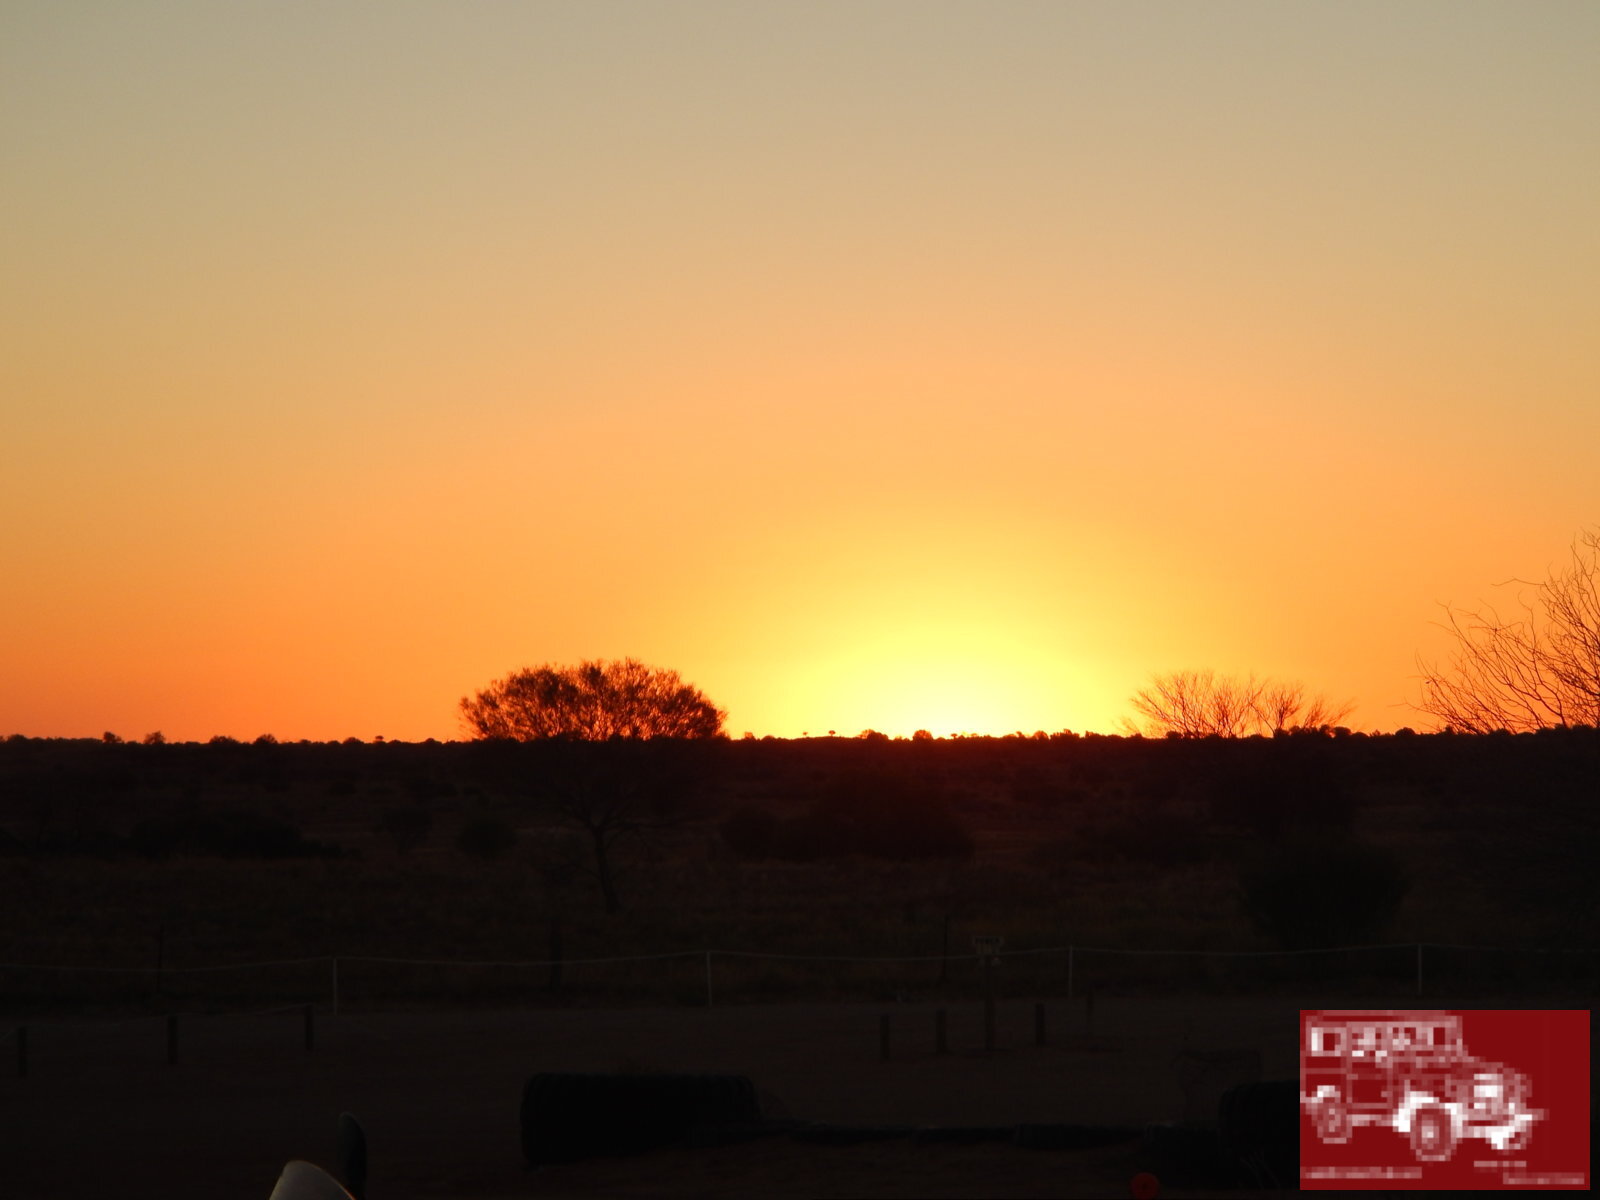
x,y
892,365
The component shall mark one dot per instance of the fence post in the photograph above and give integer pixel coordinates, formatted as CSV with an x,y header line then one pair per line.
x,y
334,966
557,954
883,1038
941,1044
172,1039
1039,1038
1419,968
988,1003
311,1039
1069,974
22,1051
710,996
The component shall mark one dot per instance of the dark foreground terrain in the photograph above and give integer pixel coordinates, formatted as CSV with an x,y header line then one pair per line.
x,y
103,1113
438,909
165,857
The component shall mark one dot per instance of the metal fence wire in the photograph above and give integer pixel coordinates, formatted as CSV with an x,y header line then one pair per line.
x,y
709,977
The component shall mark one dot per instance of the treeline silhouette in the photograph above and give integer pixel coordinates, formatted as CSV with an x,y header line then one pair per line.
x,y
1160,800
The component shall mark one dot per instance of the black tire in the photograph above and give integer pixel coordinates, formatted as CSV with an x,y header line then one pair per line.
x,y
852,1135
566,1117
961,1135
1072,1137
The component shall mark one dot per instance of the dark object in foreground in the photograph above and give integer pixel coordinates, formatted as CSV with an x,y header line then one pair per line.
x,y
301,1180
567,1117
353,1155
1255,1141
1259,1125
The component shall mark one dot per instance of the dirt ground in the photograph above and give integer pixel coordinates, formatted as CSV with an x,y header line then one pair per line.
x,y
101,1112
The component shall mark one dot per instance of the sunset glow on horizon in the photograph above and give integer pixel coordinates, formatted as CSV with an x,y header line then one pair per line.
x,y
936,365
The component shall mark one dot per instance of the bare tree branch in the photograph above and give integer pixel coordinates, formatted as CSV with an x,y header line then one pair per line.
x,y
1204,704
1538,669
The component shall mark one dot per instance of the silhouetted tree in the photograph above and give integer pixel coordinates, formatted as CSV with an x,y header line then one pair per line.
x,y
617,793
592,701
612,793
1205,704
1532,671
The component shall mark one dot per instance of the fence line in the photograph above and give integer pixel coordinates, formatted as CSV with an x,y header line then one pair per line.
x,y
520,962
1071,953
885,958
163,970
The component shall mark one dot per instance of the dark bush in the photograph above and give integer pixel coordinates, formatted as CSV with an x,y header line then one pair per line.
x,y
829,833
78,843
750,832
907,834
888,814
423,788
1310,892
485,837
228,834
1162,836
407,826
812,836
1297,786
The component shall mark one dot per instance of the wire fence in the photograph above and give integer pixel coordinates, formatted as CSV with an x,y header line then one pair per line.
x,y
708,977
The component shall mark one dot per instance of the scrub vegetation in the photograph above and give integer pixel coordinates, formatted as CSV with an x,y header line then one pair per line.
x,y
161,856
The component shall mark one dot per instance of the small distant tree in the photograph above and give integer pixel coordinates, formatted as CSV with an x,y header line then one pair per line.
x,y
1205,704
1535,669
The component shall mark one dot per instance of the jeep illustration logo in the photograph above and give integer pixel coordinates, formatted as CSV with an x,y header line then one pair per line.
x,y
1411,1072
1433,1098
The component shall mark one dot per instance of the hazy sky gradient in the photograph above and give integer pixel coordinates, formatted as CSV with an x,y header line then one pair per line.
x,y
926,364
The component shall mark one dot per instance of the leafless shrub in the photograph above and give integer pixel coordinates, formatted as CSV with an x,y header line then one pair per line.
x,y
1205,704
1537,669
